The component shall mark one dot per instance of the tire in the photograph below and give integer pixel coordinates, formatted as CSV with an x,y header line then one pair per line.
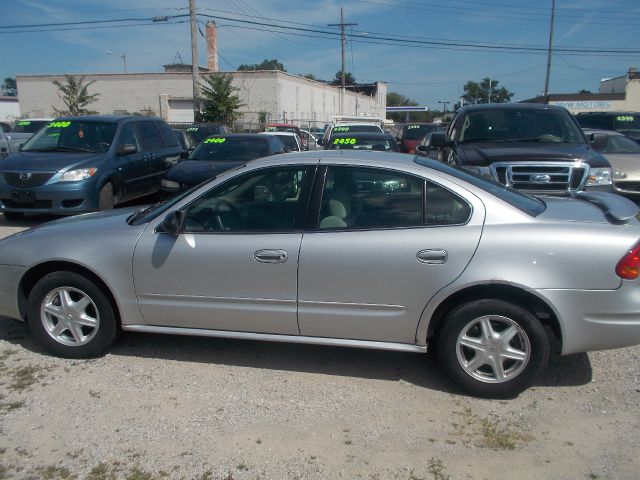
x,y
13,216
492,348
106,198
70,316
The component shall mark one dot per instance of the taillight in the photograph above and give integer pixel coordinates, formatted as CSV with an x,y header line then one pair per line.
x,y
628,267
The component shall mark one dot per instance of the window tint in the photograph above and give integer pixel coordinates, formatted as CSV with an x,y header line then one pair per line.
x,y
170,138
29,126
361,198
620,144
259,201
73,135
444,207
150,136
128,136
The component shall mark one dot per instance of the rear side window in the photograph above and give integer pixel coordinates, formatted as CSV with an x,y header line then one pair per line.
x,y
600,122
170,138
150,136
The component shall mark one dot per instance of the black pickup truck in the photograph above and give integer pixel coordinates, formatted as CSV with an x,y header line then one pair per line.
x,y
535,148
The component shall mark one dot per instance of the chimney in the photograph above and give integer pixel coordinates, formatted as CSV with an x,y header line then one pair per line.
x,y
212,47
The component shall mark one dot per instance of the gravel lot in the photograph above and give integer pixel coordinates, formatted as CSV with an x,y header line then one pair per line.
x,y
176,407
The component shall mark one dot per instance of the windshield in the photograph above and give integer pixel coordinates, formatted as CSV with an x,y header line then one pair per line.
x,y
620,144
528,204
417,132
72,136
351,143
520,125
289,142
356,128
230,149
281,129
199,133
29,126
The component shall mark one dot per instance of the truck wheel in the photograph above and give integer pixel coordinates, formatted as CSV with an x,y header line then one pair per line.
x,y
491,348
106,200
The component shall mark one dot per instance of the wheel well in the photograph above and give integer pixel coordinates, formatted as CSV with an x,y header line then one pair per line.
x,y
34,274
507,293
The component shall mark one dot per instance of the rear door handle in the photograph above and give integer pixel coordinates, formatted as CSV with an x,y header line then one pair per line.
x,y
432,256
271,256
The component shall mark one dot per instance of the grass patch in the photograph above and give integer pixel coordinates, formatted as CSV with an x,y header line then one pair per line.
x,y
489,432
24,377
54,472
436,469
10,406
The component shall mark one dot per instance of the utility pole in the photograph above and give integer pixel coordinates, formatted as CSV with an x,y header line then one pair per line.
x,y
444,107
489,100
549,50
194,59
343,43
123,56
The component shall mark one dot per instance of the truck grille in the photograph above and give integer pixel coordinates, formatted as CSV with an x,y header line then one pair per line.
x,y
27,179
538,177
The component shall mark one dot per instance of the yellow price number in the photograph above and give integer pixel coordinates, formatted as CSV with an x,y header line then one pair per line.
x,y
215,140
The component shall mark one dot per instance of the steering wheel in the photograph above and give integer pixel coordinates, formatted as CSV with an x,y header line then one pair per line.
x,y
216,216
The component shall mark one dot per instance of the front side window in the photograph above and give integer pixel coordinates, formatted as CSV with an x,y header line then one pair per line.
x,y
267,200
150,136
128,137
72,136
365,198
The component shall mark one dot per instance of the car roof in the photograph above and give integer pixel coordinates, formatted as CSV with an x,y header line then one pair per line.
x,y
291,125
282,134
625,112
510,106
351,124
381,135
598,130
346,157
109,118
236,135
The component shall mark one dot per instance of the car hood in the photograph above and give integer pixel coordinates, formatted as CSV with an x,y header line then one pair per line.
x,y
50,161
193,172
488,153
22,247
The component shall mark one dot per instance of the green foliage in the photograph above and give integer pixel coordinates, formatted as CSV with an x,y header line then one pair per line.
x,y
475,92
272,64
349,79
262,117
9,87
75,95
395,99
220,102
310,76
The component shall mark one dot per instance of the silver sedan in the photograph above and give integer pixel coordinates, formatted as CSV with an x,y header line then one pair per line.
x,y
370,250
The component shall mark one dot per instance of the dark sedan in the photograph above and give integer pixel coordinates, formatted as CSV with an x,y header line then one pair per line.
x,y
215,155
362,141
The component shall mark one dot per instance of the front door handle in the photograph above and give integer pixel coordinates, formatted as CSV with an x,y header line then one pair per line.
x,y
271,256
432,256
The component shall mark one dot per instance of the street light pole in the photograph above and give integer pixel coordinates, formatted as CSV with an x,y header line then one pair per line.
x,y
444,107
194,60
549,51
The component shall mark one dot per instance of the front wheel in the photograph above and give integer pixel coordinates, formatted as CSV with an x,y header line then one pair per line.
x,y
106,199
71,316
491,348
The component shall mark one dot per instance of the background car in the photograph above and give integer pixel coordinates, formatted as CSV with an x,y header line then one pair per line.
x,y
24,129
363,141
627,123
199,131
291,141
217,154
288,249
412,134
185,142
624,155
349,127
4,144
83,164
311,139
288,127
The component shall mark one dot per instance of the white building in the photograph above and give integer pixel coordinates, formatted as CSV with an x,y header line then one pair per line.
x,y
9,109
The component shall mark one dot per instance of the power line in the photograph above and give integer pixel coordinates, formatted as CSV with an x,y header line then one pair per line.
x,y
92,22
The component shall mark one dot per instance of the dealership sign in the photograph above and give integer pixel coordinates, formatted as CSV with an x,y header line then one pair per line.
x,y
585,104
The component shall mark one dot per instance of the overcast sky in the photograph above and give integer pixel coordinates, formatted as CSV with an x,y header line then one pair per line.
x,y
427,73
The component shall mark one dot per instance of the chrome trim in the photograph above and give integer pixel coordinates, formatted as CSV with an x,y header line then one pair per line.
x,y
334,342
431,256
509,166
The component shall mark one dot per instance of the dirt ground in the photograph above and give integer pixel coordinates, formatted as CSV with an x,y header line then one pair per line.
x,y
160,407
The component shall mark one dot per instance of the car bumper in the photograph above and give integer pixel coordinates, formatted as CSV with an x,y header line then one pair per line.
x,y
59,198
9,279
597,319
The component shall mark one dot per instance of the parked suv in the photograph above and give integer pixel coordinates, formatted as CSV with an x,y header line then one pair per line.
x,y
531,147
82,164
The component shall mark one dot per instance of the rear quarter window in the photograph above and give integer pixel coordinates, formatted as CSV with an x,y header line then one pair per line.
x,y
170,138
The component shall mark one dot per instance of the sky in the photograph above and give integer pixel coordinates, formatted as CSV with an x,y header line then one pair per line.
x,y
439,58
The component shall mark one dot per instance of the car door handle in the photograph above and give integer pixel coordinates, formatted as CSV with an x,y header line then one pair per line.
x,y
432,256
271,256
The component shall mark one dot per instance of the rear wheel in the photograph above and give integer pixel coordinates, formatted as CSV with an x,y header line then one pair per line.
x,y
492,348
71,316
13,216
106,200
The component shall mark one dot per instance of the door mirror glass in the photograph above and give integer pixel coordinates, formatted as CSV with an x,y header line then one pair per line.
x,y
173,222
598,140
436,140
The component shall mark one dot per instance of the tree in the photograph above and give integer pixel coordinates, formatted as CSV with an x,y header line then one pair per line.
x,y
272,64
75,95
584,91
9,87
349,79
395,99
310,76
485,91
220,102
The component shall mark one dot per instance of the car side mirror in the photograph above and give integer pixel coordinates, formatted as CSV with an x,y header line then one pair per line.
x,y
598,140
127,149
423,149
436,140
173,223
320,142
184,154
